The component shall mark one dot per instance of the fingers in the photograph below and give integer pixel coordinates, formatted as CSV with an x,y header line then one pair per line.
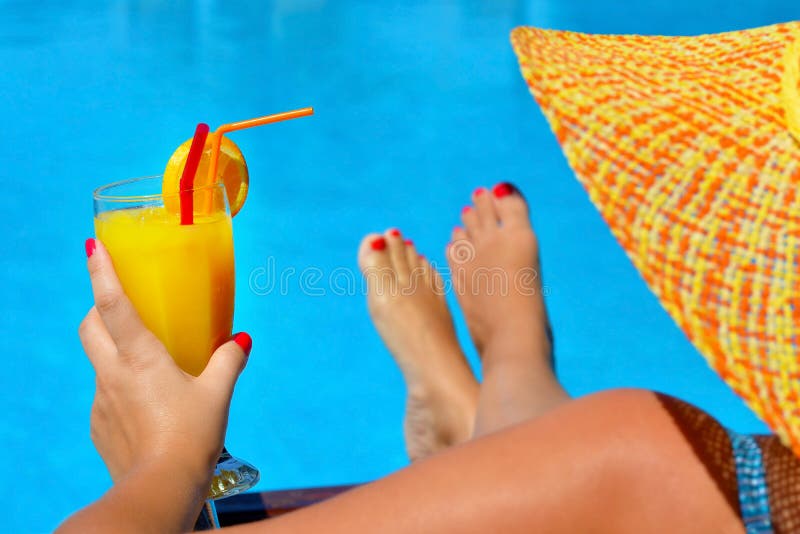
x,y
118,314
227,363
96,341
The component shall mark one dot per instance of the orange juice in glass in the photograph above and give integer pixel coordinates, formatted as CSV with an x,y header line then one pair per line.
x,y
180,278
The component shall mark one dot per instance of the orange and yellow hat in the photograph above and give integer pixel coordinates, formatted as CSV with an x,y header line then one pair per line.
x,y
690,149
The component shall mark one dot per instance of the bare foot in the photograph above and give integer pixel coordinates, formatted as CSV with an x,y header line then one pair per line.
x,y
406,303
494,261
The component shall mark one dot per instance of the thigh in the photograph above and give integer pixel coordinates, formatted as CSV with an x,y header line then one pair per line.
x,y
615,462
660,465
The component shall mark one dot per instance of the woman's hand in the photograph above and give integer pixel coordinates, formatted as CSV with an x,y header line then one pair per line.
x,y
146,409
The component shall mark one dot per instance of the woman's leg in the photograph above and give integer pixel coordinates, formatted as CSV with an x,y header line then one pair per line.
x,y
494,262
509,325
407,306
615,462
495,270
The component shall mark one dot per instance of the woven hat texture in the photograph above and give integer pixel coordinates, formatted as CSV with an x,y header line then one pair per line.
x,y
690,149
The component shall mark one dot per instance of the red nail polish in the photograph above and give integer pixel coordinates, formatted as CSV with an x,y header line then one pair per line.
x,y
422,257
478,192
378,244
466,209
502,190
90,246
244,340
395,232
456,229
409,242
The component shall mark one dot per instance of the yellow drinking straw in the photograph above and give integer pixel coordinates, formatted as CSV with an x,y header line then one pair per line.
x,y
241,125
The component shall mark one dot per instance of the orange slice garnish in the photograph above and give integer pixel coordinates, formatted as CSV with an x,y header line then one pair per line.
x,y
231,171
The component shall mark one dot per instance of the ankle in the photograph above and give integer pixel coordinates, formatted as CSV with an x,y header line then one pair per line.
x,y
518,341
453,408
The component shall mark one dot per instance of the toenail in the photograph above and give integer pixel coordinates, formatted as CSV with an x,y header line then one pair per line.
x,y
465,209
409,242
422,256
378,244
478,192
456,229
503,189
395,232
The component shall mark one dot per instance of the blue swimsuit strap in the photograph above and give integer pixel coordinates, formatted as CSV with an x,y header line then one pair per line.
x,y
751,476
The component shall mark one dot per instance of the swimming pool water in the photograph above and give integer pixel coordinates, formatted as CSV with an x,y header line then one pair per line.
x,y
417,103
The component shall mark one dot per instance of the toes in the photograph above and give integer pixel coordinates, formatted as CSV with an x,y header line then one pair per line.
x,y
412,256
372,252
376,266
459,248
510,206
484,208
469,217
422,270
417,263
432,277
396,247
458,234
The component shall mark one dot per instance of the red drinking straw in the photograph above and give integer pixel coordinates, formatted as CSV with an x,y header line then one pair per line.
x,y
189,171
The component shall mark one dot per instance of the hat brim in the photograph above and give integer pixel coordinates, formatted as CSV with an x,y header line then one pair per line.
x,y
686,146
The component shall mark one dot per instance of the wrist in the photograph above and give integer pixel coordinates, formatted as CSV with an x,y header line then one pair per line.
x,y
192,469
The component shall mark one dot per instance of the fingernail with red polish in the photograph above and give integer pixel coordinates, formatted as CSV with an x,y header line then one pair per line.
x,y
244,341
378,244
478,192
466,209
503,189
90,245
395,232
409,242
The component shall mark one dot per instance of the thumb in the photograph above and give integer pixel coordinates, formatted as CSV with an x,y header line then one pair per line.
x,y
227,362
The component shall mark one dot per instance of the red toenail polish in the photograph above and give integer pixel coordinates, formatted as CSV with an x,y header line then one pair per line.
x,y
409,242
456,229
502,190
90,245
466,209
478,192
421,256
378,244
395,232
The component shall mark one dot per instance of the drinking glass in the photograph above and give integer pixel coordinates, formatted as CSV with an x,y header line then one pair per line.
x,y
180,278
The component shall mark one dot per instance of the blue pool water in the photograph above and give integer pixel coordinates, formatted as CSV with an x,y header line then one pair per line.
x,y
417,104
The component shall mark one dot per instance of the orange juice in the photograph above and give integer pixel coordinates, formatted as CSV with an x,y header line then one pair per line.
x,y
179,278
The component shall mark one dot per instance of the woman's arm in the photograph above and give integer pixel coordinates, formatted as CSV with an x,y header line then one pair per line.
x,y
613,462
159,496
158,429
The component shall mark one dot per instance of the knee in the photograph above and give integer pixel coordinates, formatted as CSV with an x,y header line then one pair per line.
x,y
640,445
632,425
633,416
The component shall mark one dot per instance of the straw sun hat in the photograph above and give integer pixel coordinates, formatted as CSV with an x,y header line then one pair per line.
x,y
690,149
